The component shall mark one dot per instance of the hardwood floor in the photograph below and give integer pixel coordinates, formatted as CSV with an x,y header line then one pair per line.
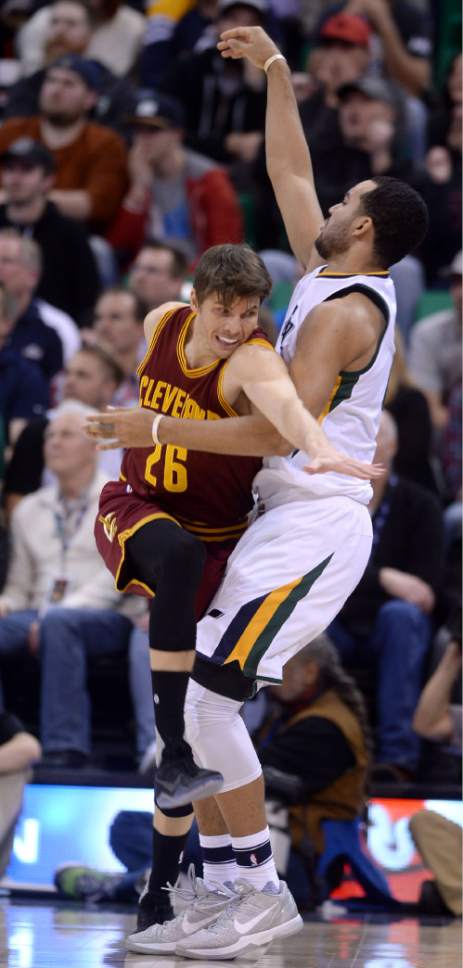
x,y
43,934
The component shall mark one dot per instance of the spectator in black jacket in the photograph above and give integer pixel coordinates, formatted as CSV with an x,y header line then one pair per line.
x,y
69,278
387,619
223,100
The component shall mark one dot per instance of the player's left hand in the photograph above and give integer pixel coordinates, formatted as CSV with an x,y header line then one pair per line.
x,y
121,428
331,460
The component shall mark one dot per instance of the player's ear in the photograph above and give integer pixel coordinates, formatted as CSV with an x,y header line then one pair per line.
x,y
362,225
194,301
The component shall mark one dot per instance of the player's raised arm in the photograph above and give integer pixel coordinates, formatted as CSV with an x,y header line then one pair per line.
x,y
288,158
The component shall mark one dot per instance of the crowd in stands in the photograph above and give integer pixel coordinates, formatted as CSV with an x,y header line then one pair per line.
x,y
128,146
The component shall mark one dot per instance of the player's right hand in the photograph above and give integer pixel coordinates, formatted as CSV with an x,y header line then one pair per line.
x,y
331,460
250,42
121,428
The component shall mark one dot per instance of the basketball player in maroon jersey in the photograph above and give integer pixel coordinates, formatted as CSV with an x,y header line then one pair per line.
x,y
171,521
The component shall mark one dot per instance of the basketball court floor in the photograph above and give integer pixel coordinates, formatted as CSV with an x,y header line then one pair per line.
x,y
43,934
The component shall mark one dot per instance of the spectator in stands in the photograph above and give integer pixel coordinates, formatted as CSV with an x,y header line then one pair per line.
x,y
90,160
409,408
170,33
341,56
316,757
387,620
105,30
402,49
441,117
364,143
23,389
19,751
32,336
440,185
438,839
157,274
118,328
435,351
175,194
92,378
405,35
69,278
58,601
224,101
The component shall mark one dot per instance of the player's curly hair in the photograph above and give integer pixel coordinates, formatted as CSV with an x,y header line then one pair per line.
x,y
400,219
231,272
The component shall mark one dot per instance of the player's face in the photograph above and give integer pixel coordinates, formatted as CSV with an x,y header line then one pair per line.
x,y
14,273
115,322
22,183
336,234
64,97
67,449
85,380
222,328
151,277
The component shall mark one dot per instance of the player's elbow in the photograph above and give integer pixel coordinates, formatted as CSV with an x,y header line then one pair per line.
x,y
281,447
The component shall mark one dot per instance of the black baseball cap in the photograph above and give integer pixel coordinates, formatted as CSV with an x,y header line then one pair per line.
x,y
157,111
374,88
29,153
89,71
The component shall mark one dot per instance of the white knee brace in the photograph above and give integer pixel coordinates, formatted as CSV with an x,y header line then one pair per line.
x,y
218,737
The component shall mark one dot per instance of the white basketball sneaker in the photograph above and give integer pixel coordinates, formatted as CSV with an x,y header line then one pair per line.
x,y
251,919
203,906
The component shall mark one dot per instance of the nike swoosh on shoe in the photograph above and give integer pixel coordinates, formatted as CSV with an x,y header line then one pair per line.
x,y
249,925
190,927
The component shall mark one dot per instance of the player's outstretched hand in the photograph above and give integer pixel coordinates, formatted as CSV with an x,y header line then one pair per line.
x,y
121,428
250,42
330,459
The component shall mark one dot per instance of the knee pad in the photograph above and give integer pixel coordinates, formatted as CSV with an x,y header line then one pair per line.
x,y
218,737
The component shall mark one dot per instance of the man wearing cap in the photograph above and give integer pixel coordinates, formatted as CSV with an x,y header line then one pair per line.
x,y
175,194
69,277
364,142
90,160
404,34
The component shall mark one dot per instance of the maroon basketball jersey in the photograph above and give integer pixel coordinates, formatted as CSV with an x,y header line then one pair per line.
x,y
209,494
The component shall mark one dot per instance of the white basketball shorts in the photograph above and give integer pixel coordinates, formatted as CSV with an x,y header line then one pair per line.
x,y
286,580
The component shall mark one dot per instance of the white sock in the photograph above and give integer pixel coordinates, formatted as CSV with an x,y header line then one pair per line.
x,y
219,865
254,859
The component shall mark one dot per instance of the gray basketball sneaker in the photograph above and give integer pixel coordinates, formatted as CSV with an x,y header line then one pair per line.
x,y
203,907
251,919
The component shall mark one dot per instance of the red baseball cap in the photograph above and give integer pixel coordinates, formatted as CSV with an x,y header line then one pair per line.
x,y
347,27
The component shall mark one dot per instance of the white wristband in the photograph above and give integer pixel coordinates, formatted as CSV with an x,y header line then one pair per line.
x,y
271,59
154,428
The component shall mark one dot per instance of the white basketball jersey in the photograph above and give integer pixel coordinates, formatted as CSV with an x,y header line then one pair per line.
x,y
351,417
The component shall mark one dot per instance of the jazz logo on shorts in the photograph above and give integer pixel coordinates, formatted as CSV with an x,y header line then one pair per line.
x,y
109,525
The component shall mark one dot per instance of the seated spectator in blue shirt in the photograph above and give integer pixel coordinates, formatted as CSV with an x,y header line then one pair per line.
x,y
23,389
387,619
31,337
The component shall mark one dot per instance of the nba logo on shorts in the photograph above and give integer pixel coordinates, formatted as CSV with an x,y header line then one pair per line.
x,y
253,860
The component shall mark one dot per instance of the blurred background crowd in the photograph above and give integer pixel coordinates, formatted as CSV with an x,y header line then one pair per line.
x,y
127,147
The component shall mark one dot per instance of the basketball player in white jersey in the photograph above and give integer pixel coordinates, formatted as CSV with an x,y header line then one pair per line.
x,y
307,549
